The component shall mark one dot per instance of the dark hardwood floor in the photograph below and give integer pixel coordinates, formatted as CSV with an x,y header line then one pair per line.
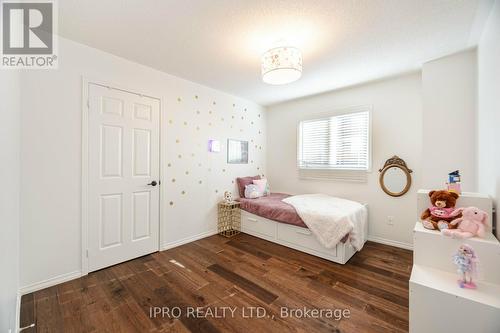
x,y
241,274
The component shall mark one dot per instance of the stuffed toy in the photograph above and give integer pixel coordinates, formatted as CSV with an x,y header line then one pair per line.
x,y
467,262
472,223
228,197
441,212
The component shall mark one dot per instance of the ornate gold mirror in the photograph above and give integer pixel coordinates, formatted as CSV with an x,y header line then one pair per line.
x,y
395,177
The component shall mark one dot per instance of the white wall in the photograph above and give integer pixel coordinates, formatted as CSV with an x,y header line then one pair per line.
x,y
397,130
51,155
489,108
9,198
51,148
449,120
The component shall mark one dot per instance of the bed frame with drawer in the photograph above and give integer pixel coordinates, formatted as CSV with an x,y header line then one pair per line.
x,y
297,238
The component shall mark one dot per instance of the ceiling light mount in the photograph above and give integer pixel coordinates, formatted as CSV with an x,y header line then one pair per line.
x,y
281,65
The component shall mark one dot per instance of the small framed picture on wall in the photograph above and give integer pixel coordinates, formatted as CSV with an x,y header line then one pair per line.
x,y
237,151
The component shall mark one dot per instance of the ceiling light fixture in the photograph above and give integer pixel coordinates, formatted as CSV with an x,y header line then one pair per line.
x,y
281,65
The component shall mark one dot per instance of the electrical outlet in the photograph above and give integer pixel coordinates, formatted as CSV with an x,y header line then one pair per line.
x,y
390,220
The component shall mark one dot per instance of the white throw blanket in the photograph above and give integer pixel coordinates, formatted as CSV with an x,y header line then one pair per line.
x,y
330,218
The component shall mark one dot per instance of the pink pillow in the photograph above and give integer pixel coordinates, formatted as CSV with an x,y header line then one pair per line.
x,y
244,181
261,184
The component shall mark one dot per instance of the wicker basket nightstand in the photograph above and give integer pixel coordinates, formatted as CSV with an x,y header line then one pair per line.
x,y
229,220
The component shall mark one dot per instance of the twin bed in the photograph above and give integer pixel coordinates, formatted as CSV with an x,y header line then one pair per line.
x,y
272,219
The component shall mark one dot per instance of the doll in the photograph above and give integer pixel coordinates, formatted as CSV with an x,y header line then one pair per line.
x,y
466,261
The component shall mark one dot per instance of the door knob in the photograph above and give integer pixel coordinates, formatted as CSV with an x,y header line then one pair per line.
x,y
153,183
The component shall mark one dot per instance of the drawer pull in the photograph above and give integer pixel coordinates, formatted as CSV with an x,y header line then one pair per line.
x,y
251,219
304,232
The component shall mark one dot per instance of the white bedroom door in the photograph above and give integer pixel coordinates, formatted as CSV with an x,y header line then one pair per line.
x,y
123,176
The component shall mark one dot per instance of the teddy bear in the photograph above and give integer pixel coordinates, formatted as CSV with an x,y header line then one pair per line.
x,y
442,210
472,223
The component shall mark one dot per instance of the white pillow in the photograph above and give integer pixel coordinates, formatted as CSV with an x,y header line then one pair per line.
x,y
263,185
252,192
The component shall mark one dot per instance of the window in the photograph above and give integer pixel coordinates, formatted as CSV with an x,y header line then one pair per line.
x,y
340,142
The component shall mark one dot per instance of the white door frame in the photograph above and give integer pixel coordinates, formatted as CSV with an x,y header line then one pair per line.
x,y
86,81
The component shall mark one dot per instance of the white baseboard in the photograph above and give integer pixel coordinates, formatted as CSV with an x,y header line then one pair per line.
x,y
186,240
49,282
391,242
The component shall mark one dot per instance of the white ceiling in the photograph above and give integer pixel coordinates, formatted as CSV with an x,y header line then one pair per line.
x,y
218,43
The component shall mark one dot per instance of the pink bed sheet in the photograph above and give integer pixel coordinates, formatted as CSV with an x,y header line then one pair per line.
x,y
271,207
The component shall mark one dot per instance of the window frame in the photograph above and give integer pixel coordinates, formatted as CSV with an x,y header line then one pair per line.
x,y
334,173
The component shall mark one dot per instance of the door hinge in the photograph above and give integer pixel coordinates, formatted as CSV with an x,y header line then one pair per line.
x,y
88,104
87,253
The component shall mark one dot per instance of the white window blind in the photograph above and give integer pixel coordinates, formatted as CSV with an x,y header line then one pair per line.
x,y
335,143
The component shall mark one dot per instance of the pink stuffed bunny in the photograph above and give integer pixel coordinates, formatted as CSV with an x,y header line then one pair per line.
x,y
472,223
